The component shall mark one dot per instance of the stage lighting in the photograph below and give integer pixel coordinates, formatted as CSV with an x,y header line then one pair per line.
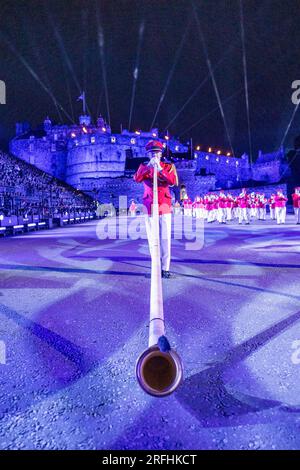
x,y
219,152
104,129
207,157
73,134
209,149
154,134
176,148
198,147
167,137
137,133
228,154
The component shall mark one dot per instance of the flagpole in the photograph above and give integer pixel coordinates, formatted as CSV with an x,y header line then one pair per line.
x,y
83,103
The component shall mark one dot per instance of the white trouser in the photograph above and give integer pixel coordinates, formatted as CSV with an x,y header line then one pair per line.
x,y
243,214
262,213
297,214
280,214
210,216
272,213
198,212
228,213
165,224
132,213
253,212
221,215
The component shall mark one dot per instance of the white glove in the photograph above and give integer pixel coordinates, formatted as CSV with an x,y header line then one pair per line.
x,y
155,161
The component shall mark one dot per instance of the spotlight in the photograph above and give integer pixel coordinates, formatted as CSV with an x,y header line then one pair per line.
x,y
167,137
104,129
198,147
154,134
84,129
137,132
228,154
219,152
209,149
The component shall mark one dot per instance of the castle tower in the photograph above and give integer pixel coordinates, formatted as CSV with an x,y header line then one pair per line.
x,y
47,124
84,120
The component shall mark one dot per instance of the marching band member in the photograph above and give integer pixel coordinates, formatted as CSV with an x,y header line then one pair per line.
x,y
221,211
262,207
132,208
235,210
280,207
188,207
177,208
253,207
209,206
197,206
296,204
229,207
243,200
272,206
167,176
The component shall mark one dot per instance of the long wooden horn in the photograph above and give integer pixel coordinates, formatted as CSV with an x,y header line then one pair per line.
x,y
159,369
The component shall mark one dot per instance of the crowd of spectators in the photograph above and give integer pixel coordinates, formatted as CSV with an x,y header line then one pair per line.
x,y
26,190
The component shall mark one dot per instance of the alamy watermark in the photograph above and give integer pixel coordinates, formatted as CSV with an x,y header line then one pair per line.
x,y
2,352
135,226
296,94
2,92
296,354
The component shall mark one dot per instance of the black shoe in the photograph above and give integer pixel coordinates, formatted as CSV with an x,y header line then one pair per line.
x,y
166,274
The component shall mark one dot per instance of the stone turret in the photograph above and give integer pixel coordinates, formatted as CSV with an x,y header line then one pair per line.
x,y
47,124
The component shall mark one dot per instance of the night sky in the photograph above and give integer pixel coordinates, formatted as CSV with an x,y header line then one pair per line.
x,y
59,41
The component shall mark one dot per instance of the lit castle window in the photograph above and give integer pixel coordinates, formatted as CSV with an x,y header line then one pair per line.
x,y
113,140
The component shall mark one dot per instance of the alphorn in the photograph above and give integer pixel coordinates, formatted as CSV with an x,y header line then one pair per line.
x,y
159,368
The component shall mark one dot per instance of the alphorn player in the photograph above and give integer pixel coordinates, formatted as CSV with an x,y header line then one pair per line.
x,y
166,177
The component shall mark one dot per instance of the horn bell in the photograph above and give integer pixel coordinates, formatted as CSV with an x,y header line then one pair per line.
x,y
159,373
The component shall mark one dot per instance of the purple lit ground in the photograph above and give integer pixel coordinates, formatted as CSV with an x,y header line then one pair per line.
x,y
73,316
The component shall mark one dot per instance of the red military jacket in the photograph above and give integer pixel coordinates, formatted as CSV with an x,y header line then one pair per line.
x,y
296,200
165,178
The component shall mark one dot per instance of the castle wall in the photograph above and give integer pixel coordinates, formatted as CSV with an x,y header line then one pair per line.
x,y
42,154
94,161
227,169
